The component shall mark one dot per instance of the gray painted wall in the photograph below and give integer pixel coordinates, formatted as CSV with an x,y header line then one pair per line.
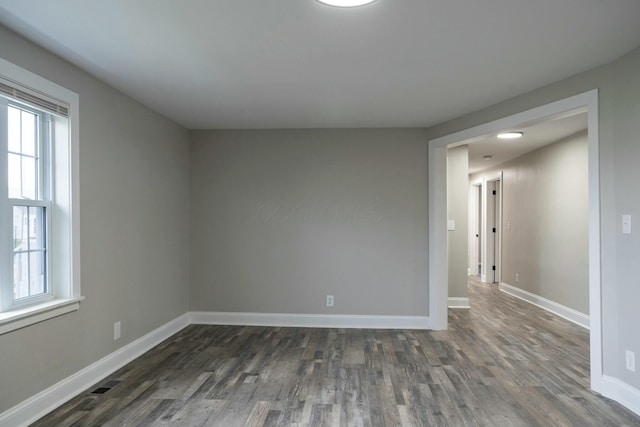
x,y
619,105
546,200
457,210
280,219
134,202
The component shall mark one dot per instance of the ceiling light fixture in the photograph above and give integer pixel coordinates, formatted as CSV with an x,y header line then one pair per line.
x,y
346,3
510,135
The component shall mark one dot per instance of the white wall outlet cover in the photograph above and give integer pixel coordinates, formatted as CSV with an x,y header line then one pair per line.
x,y
329,300
451,225
630,360
116,330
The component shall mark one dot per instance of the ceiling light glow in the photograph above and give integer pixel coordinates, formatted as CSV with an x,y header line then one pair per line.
x,y
346,3
510,135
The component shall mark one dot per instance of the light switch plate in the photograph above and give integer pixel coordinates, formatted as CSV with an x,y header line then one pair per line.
x,y
451,225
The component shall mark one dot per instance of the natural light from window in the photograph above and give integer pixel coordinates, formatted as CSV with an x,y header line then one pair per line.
x,y
40,227
27,181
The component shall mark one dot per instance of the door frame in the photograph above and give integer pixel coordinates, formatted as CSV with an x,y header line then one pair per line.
x,y
437,184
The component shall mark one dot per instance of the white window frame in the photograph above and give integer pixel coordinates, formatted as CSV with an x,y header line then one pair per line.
x,y
63,228
42,200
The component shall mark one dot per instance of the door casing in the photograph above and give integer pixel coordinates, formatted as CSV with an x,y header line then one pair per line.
x,y
437,186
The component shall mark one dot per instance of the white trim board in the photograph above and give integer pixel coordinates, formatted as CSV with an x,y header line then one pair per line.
x,y
437,179
563,311
309,320
49,399
458,302
622,393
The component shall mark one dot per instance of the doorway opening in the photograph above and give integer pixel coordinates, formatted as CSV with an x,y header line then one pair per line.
x,y
485,228
438,266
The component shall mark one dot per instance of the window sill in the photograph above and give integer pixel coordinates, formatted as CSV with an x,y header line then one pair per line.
x,y
16,319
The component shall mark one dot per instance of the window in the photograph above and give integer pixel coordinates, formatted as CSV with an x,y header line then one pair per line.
x,y
39,227
28,182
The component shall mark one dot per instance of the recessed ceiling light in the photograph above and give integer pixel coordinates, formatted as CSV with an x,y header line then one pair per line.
x,y
346,3
510,135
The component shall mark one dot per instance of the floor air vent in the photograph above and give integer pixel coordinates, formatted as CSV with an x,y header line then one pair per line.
x,y
105,387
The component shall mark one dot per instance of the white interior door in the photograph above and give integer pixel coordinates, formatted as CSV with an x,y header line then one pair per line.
x,y
490,235
497,235
479,233
475,227
490,231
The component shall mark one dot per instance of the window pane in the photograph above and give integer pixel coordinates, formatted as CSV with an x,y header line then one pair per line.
x,y
36,273
20,229
36,228
23,154
14,176
29,246
14,129
29,178
21,275
29,123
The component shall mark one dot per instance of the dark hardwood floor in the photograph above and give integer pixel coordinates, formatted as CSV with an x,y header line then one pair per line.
x,y
502,363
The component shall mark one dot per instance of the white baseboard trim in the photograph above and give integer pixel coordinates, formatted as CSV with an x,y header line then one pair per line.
x,y
310,320
42,403
621,392
565,312
458,302
47,400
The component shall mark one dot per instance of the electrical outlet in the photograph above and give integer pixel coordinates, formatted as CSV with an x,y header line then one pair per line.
x,y
329,300
517,277
631,360
116,330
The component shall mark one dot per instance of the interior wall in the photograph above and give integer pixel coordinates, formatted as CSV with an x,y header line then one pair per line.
x,y
134,207
457,211
618,86
281,218
545,225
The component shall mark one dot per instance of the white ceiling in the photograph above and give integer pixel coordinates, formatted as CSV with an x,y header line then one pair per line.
x,y
536,135
300,64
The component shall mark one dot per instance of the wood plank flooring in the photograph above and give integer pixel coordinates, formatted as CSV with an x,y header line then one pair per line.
x,y
502,363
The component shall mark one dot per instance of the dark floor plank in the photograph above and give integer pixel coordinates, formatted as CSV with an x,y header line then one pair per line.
x,y
501,363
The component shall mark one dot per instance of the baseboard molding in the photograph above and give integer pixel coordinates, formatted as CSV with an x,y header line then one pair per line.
x,y
310,320
47,400
565,312
42,403
458,302
621,392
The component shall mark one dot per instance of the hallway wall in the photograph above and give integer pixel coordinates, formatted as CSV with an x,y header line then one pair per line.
x,y
545,222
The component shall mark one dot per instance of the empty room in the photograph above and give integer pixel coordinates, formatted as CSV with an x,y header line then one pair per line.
x,y
257,213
